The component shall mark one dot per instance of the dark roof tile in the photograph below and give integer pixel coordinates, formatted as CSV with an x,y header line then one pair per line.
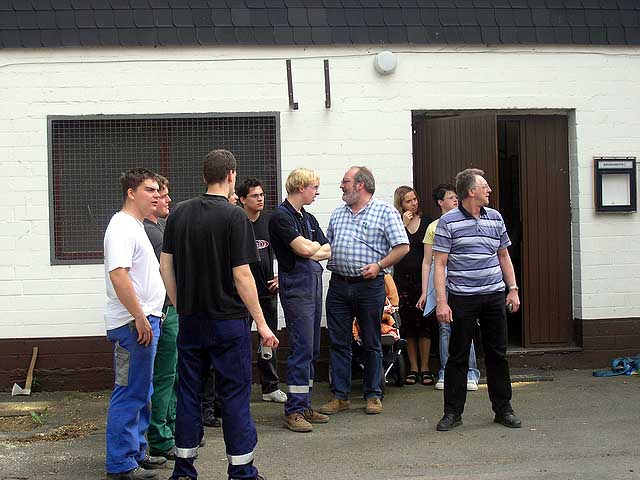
x,y
393,17
483,4
162,18
119,4
10,22
541,17
360,35
537,4
274,4
51,38
168,36
580,35
519,3
628,4
225,35
187,36
545,35
417,35
523,18
89,37
615,36
61,5
128,37
222,17
629,18
397,35
320,36
374,17
445,3
182,18
70,38
611,18
378,35
139,4
591,4
598,36
593,18
509,35
30,38
206,36
351,4
429,16
202,17
317,17
278,16
104,19
108,36
240,17
341,35
576,18
467,17
411,16
22,5
505,17
302,36
448,16
370,3
486,17
632,35
159,3
573,3
283,35
332,3
472,34
259,17
11,39
527,35
27,20
336,17
453,35
298,17
85,19
147,36
81,4
464,3
609,4
355,17
555,4
65,19
435,35
563,35
124,18
264,35
559,18
6,6
490,35
43,5
255,4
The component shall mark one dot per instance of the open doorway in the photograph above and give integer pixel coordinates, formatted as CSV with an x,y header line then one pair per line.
x,y
526,161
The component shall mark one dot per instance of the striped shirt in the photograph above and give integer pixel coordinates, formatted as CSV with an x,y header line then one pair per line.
x,y
363,238
472,243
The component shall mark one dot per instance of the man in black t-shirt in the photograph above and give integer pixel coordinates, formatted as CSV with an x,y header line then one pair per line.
x,y
300,245
208,246
251,196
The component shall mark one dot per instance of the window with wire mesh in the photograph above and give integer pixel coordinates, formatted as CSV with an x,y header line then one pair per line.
x,y
88,156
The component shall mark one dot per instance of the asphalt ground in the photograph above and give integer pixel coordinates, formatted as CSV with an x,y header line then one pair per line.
x,y
574,427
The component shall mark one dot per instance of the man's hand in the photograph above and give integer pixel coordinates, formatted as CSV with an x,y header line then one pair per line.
x,y
267,336
421,301
272,285
145,334
444,314
370,271
514,300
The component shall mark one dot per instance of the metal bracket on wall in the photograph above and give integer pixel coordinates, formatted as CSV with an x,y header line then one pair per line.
x,y
327,85
292,104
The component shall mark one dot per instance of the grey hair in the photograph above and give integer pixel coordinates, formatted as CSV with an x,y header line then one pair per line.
x,y
364,175
466,180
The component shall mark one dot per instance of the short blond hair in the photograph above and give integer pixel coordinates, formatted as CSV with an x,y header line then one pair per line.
x,y
301,178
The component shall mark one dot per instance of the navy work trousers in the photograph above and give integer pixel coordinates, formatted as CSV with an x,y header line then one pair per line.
x,y
301,299
225,344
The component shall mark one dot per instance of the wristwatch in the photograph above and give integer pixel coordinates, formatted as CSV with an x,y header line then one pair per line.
x,y
514,287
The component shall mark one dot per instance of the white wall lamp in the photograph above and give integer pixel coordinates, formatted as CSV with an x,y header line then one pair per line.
x,y
385,62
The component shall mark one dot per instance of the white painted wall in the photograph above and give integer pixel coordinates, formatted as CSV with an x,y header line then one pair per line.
x,y
369,123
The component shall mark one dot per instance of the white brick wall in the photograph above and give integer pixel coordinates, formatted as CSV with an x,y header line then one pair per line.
x,y
369,123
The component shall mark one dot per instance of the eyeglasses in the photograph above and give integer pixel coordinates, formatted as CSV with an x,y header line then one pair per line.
x,y
256,195
484,187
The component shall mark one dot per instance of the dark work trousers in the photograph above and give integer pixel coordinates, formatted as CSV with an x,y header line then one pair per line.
x,y
301,298
225,344
268,369
350,298
491,311
208,398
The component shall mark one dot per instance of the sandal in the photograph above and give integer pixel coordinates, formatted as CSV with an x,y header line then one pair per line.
x,y
427,378
411,378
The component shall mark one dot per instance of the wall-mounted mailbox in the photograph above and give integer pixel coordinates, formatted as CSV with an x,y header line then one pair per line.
x,y
616,189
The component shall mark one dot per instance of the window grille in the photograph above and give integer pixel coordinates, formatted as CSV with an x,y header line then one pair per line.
x,y
87,156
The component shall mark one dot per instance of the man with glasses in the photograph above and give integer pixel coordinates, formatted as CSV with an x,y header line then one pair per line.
x,y
251,196
471,243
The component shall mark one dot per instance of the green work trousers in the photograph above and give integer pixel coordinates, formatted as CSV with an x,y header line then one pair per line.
x,y
165,381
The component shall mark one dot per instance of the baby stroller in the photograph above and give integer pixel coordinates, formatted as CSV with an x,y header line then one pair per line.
x,y
394,367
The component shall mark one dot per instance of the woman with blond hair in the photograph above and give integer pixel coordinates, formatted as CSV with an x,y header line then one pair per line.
x,y
407,275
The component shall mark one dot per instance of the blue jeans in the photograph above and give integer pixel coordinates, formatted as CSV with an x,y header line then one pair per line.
x,y
301,299
129,406
445,332
347,300
226,345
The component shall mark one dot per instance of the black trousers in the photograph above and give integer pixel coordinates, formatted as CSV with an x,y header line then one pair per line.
x,y
491,311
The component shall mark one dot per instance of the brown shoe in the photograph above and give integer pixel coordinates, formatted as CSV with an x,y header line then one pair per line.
x,y
374,406
334,405
297,423
314,417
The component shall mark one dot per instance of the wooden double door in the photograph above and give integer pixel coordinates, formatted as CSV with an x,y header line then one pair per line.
x,y
526,162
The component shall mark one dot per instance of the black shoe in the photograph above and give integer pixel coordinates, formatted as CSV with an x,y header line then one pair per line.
x,y
508,419
448,422
135,474
210,419
152,463
168,454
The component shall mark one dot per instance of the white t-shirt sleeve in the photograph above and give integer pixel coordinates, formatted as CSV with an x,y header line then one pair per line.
x,y
119,246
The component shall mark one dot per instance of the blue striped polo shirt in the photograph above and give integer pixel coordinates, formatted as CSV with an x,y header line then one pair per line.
x,y
472,243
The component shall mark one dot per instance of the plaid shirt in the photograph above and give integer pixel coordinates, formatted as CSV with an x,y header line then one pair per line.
x,y
363,238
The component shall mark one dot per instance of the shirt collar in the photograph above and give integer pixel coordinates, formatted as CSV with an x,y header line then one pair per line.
x,y
483,212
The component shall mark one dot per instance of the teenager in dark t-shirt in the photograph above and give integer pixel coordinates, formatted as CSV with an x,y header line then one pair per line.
x,y
208,246
251,196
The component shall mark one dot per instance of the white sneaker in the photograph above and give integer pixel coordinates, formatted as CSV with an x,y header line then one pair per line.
x,y
440,384
472,385
277,396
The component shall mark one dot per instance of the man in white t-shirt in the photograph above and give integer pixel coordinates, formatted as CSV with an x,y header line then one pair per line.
x,y
132,317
